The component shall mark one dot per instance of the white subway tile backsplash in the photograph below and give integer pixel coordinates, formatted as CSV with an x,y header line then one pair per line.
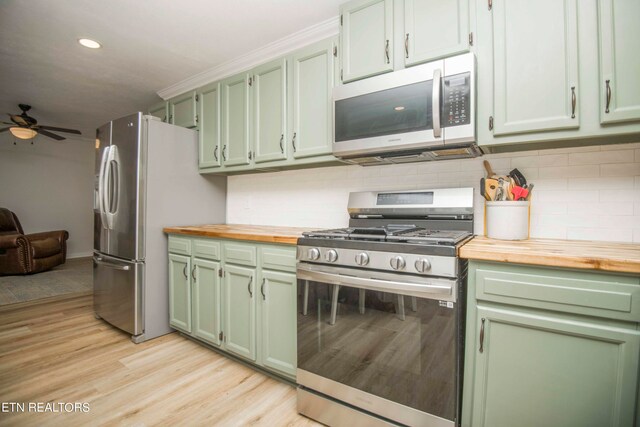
x,y
587,193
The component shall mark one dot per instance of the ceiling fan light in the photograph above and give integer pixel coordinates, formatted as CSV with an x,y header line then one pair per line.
x,y
23,133
91,44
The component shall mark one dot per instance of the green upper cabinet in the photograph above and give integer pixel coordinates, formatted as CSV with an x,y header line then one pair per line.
x,y
435,29
619,60
269,89
182,110
366,38
311,109
206,300
180,292
235,120
278,325
535,64
209,150
540,370
240,308
160,110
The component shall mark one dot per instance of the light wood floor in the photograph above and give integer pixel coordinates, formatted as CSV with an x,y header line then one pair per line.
x,y
56,351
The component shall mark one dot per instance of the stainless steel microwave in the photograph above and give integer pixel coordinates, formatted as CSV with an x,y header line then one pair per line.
x,y
420,113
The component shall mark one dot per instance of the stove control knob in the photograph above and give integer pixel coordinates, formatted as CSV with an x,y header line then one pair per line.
x,y
331,255
313,254
362,259
423,265
397,263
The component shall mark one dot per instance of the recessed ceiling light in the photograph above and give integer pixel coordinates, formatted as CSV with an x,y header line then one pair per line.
x,y
91,44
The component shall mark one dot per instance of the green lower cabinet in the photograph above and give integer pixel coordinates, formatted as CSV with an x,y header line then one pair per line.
x,y
240,308
538,370
278,321
206,300
550,347
180,292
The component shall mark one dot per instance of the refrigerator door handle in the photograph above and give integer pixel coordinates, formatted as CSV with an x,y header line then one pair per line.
x,y
112,181
101,185
101,261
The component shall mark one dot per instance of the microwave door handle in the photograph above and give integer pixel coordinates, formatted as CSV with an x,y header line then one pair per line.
x,y
435,103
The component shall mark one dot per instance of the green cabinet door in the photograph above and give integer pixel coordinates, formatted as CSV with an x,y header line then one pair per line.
x,y
209,155
435,29
278,313
206,300
182,110
235,120
619,60
534,46
270,111
537,370
366,37
160,110
311,94
180,292
240,308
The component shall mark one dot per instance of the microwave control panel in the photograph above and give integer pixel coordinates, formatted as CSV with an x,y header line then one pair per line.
x,y
456,100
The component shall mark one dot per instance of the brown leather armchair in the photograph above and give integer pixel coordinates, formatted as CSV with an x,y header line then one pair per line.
x,y
30,253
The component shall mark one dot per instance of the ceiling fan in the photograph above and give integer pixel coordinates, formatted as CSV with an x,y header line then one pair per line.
x,y
26,127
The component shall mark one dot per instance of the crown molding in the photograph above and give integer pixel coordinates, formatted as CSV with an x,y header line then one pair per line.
x,y
303,38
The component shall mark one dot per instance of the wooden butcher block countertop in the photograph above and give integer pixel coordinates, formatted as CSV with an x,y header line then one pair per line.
x,y
256,233
605,256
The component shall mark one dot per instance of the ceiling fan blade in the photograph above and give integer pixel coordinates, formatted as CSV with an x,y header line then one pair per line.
x,y
51,135
7,123
4,130
74,131
19,119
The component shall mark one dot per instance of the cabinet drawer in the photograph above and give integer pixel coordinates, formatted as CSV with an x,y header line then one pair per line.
x,y
208,249
275,258
238,253
179,245
571,291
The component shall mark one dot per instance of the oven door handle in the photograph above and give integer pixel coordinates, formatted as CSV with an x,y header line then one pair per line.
x,y
430,288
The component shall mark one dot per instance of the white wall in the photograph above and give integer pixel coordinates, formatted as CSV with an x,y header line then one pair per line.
x,y
590,193
49,186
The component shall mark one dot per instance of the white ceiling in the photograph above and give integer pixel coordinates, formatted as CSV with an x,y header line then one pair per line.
x,y
147,46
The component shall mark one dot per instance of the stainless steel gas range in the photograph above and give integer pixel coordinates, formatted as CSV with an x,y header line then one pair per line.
x,y
381,311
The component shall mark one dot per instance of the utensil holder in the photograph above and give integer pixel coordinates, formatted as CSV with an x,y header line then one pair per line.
x,y
507,220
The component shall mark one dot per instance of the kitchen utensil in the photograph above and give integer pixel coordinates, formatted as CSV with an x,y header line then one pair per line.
x,y
487,166
519,193
500,192
518,177
530,189
483,193
510,184
490,188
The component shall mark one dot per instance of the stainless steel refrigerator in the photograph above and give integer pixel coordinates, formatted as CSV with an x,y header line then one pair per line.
x,y
146,178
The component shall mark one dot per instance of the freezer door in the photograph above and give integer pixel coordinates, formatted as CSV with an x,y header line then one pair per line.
x,y
100,231
124,187
117,292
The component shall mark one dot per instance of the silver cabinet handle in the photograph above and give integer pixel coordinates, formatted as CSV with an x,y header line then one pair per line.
x,y
386,51
281,142
99,260
264,297
215,153
573,102
293,142
481,349
608,83
249,287
193,273
406,46
224,152
435,103
184,271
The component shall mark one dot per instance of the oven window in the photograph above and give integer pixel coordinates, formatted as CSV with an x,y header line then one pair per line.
x,y
397,347
387,112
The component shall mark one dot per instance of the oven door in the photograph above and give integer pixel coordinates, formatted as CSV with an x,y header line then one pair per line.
x,y
386,343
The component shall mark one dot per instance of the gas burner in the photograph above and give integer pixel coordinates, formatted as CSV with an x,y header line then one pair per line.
x,y
392,233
